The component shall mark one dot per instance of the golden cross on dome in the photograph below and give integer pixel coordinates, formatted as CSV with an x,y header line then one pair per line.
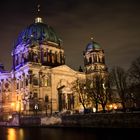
x,y
38,9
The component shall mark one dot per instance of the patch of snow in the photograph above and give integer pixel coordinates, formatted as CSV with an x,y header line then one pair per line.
x,y
51,120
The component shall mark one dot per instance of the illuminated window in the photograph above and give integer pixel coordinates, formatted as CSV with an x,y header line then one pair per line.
x,y
49,82
53,58
45,56
45,82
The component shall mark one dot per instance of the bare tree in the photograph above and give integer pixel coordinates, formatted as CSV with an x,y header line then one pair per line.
x,y
79,87
119,80
134,78
98,91
134,71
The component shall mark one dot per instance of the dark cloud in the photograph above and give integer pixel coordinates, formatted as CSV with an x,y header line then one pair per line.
x,y
114,24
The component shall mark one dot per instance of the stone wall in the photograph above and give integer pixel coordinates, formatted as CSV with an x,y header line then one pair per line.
x,y
107,120
30,121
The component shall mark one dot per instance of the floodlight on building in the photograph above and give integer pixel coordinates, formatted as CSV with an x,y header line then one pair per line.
x,y
94,109
10,117
12,104
115,107
111,106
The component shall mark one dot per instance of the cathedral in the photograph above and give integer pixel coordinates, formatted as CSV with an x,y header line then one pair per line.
x,y
40,80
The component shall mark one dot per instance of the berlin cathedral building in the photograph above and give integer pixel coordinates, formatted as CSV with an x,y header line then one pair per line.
x,y
39,75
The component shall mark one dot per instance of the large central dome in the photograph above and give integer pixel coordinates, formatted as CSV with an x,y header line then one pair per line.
x,y
38,32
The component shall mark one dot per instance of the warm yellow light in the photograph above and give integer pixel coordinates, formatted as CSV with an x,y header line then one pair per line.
x,y
10,117
12,104
12,134
115,107
94,109
81,108
17,107
110,106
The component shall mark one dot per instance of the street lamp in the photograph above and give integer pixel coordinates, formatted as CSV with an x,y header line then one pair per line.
x,y
36,108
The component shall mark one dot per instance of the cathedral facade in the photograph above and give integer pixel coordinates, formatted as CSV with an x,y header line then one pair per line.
x,y
40,79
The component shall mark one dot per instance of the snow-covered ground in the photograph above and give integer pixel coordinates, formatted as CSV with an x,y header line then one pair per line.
x,y
51,120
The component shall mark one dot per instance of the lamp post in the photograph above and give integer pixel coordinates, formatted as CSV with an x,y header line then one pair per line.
x,y
36,108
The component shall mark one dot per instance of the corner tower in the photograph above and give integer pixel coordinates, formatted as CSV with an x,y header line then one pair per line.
x,y
94,59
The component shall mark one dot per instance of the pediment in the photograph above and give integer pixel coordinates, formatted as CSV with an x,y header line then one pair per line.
x,y
64,68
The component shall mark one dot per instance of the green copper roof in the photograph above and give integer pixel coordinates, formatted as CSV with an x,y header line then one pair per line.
x,y
92,45
38,32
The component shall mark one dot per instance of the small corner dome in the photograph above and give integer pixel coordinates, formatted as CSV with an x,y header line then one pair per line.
x,y
38,32
92,46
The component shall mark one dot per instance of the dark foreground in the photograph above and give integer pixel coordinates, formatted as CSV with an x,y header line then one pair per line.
x,y
103,120
67,134
94,120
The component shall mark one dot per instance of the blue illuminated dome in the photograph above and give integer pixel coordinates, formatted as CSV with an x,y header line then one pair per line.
x,y
38,32
92,46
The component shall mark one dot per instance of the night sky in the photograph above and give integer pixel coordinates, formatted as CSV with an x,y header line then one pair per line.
x,y
114,24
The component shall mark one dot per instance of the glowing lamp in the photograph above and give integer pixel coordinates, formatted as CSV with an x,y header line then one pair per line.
x,y
115,107
12,104
94,109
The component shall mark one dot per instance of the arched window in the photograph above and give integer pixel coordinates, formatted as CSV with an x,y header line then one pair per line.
x,y
51,56
17,84
45,81
90,60
58,57
21,83
95,58
35,95
46,98
48,57
35,57
55,57
45,56
35,81
103,59
26,82
70,101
